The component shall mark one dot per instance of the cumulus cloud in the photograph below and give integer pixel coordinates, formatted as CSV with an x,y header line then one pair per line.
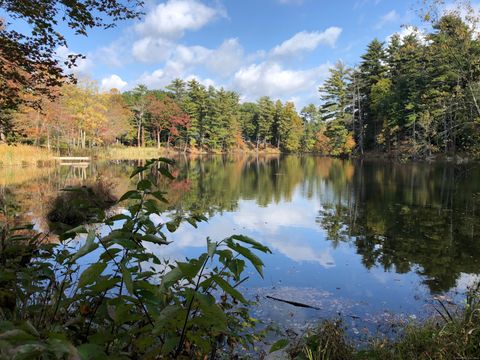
x,y
113,82
150,49
227,58
162,77
270,78
173,18
307,41
407,31
222,61
390,17
113,55
82,66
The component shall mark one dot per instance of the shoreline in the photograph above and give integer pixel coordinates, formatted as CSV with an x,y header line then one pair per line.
x,y
27,155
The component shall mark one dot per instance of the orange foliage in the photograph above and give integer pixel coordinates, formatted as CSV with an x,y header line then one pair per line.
x,y
322,143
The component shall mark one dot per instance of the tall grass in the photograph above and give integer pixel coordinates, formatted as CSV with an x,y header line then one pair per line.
x,y
17,175
23,155
130,153
450,335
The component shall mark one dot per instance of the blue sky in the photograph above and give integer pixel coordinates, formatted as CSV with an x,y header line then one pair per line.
x,y
280,48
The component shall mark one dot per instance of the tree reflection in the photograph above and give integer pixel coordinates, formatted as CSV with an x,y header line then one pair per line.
x,y
402,217
416,217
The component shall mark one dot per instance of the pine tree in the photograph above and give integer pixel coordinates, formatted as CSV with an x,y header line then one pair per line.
x,y
264,120
372,69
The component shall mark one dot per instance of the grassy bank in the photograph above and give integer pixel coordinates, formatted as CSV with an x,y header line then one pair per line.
x,y
129,153
450,335
32,155
23,155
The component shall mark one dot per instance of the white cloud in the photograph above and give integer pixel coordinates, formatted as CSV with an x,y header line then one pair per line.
x,y
173,18
150,49
390,17
222,61
113,55
228,58
164,76
270,78
113,82
82,66
307,41
407,31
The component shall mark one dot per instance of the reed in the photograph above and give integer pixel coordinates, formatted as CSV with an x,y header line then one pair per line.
x,y
130,153
24,155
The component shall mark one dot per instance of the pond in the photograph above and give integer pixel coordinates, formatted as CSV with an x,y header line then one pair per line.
x,y
373,242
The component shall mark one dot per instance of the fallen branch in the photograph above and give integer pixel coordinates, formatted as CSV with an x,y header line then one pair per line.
x,y
294,303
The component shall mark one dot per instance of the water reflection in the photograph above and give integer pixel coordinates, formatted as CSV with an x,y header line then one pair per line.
x,y
404,217
369,231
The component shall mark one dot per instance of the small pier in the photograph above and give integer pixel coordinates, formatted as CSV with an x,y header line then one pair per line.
x,y
73,160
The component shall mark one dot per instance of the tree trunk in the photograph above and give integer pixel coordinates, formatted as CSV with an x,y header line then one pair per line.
x,y
139,132
48,139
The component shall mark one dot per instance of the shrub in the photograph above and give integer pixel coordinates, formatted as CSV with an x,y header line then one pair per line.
x,y
113,298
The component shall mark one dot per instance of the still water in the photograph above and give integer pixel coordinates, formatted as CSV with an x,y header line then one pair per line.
x,y
372,242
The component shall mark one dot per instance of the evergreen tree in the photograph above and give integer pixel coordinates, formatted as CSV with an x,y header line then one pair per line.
x,y
372,69
264,120
195,105
334,94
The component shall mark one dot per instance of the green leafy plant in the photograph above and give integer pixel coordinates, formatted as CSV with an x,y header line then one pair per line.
x,y
111,297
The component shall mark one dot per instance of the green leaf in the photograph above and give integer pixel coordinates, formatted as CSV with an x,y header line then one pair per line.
x,y
167,160
229,289
87,248
22,227
72,233
256,244
127,279
279,345
192,222
104,284
91,274
91,352
118,217
211,247
138,170
155,239
254,259
165,172
171,278
191,269
213,318
132,194
172,226
159,196
144,184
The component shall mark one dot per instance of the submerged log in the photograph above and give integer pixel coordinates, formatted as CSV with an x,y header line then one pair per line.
x,y
294,303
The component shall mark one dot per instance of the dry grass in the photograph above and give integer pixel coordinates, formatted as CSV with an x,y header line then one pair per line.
x,y
23,155
130,153
17,175
455,334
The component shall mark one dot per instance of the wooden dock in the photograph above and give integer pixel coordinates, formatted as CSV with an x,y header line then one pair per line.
x,y
73,158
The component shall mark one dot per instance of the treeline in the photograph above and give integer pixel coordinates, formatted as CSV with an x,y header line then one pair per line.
x,y
413,96
185,115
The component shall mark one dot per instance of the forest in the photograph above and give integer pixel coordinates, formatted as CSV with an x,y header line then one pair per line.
x,y
411,96
105,254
